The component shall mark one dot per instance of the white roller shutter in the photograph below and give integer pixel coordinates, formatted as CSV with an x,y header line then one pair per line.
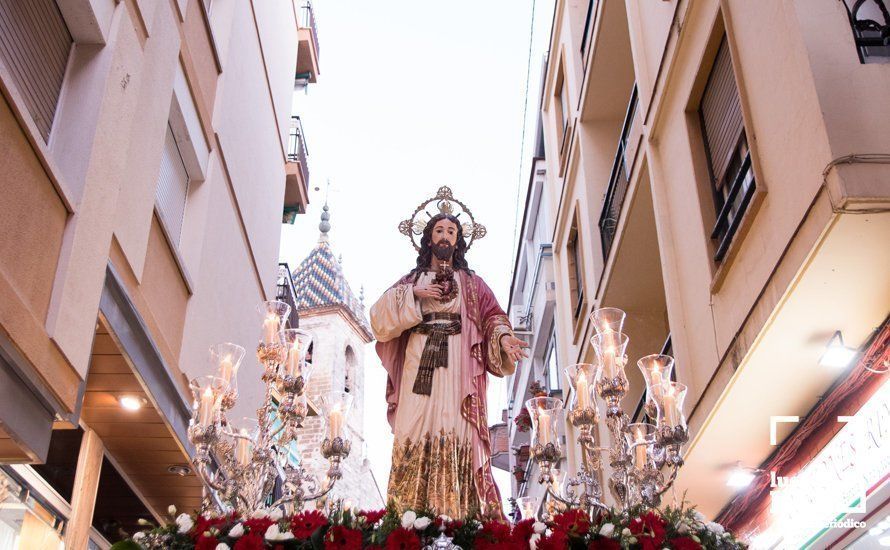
x,y
173,186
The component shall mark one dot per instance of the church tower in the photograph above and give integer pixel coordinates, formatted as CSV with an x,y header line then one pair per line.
x,y
329,310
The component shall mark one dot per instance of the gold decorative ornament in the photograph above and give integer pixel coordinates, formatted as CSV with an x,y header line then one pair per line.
x,y
446,204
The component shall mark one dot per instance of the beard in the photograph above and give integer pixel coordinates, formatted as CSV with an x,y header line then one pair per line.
x,y
443,250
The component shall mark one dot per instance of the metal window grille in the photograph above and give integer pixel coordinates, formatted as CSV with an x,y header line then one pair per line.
x,y
34,48
173,185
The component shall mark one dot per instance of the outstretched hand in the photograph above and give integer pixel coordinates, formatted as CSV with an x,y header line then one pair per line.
x,y
514,347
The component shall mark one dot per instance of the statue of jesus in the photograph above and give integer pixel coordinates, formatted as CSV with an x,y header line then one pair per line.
x,y
440,332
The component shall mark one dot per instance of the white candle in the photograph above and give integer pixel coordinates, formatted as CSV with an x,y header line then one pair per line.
x,y
656,383
293,360
226,368
609,362
205,408
270,329
640,449
543,427
336,422
670,407
583,391
242,449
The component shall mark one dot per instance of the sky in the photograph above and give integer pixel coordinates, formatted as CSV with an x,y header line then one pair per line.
x,y
412,96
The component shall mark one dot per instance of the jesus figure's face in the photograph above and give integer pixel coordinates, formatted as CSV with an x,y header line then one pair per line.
x,y
444,239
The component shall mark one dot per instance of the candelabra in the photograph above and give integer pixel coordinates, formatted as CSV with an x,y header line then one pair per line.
x,y
239,466
644,458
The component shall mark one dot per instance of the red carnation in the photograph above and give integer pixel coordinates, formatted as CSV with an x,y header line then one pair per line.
x,y
250,541
203,524
305,523
574,522
558,540
604,543
403,539
372,516
684,543
524,530
649,530
343,537
258,525
205,542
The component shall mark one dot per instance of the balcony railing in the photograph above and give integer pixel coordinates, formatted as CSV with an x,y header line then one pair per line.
x,y
296,147
734,206
618,181
307,21
588,24
870,22
287,293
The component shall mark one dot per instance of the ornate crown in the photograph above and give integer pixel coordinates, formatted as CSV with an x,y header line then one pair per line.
x,y
445,202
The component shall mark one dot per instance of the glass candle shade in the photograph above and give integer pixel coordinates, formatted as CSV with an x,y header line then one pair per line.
x,y
610,348
335,407
639,437
608,319
558,479
528,507
273,316
207,393
657,370
244,436
669,404
226,359
547,420
582,376
297,342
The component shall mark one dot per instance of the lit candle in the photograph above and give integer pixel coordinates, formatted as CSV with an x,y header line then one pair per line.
x,y
293,360
543,427
206,408
609,362
583,399
336,422
671,413
226,368
656,382
242,449
640,449
270,329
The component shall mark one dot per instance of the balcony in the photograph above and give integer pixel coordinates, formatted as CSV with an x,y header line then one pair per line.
x,y
619,179
296,189
308,50
287,294
870,23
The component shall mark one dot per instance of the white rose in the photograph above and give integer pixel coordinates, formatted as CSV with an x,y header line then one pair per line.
x,y
236,531
533,541
276,514
715,527
260,513
272,533
222,546
138,536
184,523
171,510
539,527
422,523
408,519
607,530
625,532
683,528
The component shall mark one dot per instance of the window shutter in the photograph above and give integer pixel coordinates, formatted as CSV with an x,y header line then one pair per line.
x,y
173,186
721,114
34,48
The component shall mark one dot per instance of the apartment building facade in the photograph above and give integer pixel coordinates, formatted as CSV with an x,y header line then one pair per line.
x,y
720,172
147,163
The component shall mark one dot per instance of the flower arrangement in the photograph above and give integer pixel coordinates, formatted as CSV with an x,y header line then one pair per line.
x,y
523,420
673,528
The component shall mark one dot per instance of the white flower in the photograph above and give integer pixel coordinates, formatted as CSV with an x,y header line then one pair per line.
x,y
714,527
699,517
184,523
171,510
273,533
683,528
625,532
607,530
222,546
236,531
276,514
259,513
141,521
408,519
533,541
539,527
422,523
138,536
632,540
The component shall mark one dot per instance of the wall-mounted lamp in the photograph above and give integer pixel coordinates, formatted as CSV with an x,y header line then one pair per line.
x,y
837,355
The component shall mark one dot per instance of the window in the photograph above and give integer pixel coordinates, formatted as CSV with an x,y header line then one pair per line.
x,y
34,48
561,97
173,185
729,160
870,23
573,256
551,366
349,375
